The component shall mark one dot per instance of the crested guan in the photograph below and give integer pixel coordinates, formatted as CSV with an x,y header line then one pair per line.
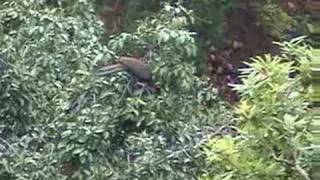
x,y
134,67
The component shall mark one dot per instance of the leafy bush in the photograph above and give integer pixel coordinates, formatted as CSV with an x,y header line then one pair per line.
x,y
113,130
274,19
210,19
272,119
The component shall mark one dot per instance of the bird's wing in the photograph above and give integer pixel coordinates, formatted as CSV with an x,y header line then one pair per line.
x,y
136,67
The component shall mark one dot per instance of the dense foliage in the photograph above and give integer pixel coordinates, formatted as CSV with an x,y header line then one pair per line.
x,y
274,19
272,119
59,119
210,15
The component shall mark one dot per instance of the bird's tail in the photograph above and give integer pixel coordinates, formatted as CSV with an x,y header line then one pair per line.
x,y
110,69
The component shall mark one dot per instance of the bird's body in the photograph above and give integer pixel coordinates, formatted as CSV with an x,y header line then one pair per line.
x,y
136,68
133,66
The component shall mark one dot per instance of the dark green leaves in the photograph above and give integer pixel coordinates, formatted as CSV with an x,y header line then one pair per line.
x,y
106,126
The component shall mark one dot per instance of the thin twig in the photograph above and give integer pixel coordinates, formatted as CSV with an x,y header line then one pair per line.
x,y
302,172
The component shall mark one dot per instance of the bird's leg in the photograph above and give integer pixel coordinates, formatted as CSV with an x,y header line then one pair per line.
x,y
132,84
145,87
125,89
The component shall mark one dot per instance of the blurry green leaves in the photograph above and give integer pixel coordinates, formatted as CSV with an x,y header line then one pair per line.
x,y
261,74
235,159
274,19
51,57
273,121
161,32
210,19
172,48
300,53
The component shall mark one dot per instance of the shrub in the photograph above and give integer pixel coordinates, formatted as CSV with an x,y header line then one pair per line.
x,y
272,119
274,19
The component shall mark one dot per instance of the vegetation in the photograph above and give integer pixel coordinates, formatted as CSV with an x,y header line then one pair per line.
x,y
59,120
274,19
115,130
273,122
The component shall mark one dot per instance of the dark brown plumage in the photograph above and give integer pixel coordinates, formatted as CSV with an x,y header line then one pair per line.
x,y
133,66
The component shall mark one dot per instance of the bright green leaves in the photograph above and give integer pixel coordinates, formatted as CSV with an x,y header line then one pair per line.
x,y
261,74
246,110
273,122
235,159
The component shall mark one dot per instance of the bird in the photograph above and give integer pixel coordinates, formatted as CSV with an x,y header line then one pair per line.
x,y
133,66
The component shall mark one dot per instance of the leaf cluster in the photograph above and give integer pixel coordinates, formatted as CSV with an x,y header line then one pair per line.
x,y
273,122
60,120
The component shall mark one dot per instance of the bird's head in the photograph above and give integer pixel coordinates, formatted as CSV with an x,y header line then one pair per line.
x,y
154,88
157,88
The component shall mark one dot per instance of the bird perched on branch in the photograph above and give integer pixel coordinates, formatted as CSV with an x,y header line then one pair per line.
x,y
133,66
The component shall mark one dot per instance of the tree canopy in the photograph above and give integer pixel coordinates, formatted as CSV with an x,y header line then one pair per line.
x,y
113,130
60,120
